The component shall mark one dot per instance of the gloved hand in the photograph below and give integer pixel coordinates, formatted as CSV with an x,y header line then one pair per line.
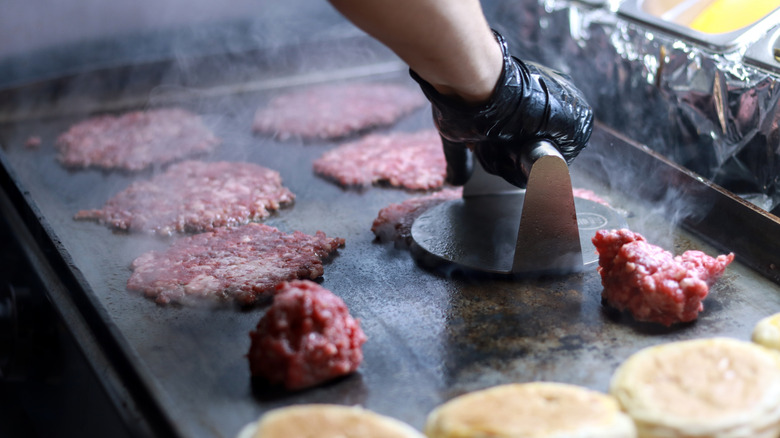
x,y
530,103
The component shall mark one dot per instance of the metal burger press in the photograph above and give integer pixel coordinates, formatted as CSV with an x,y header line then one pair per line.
x,y
499,229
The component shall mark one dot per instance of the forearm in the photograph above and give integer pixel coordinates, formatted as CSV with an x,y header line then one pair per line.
x,y
447,42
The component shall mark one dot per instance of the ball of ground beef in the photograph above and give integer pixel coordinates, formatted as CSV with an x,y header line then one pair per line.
x,y
650,282
306,337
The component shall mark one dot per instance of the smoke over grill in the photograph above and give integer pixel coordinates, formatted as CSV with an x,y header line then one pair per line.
x,y
182,371
88,34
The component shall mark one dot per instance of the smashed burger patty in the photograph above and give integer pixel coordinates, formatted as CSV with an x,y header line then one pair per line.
x,y
231,263
412,160
394,222
195,196
135,140
335,110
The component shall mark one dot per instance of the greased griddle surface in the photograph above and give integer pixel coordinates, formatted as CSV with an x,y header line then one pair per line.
x,y
429,337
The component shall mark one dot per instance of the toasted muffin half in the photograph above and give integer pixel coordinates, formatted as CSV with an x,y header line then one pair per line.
x,y
327,421
703,388
533,410
767,332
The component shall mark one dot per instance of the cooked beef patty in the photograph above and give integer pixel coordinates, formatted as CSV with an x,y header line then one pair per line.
x,y
230,263
135,140
334,111
394,222
411,160
194,196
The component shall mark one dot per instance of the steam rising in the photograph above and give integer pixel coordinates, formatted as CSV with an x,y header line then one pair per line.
x,y
61,62
27,26
50,38
224,53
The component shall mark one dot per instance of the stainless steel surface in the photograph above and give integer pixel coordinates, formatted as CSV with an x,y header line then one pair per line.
x,y
429,337
765,53
480,236
482,183
548,239
511,232
723,42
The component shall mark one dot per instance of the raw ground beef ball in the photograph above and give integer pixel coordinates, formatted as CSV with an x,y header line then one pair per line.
x,y
230,263
414,160
135,140
650,282
195,196
334,111
306,337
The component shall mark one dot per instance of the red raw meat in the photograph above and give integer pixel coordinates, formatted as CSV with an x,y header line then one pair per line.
x,y
411,160
306,337
195,196
32,142
135,140
650,282
590,195
242,263
335,111
394,222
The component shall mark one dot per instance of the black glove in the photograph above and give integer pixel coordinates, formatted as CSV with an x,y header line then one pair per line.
x,y
530,103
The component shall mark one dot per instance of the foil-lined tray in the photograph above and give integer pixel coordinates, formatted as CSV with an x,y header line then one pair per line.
x,y
640,11
182,371
765,53
708,102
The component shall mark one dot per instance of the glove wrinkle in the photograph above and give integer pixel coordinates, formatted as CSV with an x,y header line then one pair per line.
x,y
530,103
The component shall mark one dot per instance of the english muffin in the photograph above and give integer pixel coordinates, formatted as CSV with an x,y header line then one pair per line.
x,y
530,410
767,332
327,421
703,388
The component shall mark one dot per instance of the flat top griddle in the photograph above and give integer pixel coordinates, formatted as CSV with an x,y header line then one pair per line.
x,y
430,338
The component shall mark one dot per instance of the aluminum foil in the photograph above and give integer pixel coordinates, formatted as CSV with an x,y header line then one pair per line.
x,y
704,108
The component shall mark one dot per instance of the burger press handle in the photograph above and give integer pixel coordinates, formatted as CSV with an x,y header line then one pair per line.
x,y
497,228
548,238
